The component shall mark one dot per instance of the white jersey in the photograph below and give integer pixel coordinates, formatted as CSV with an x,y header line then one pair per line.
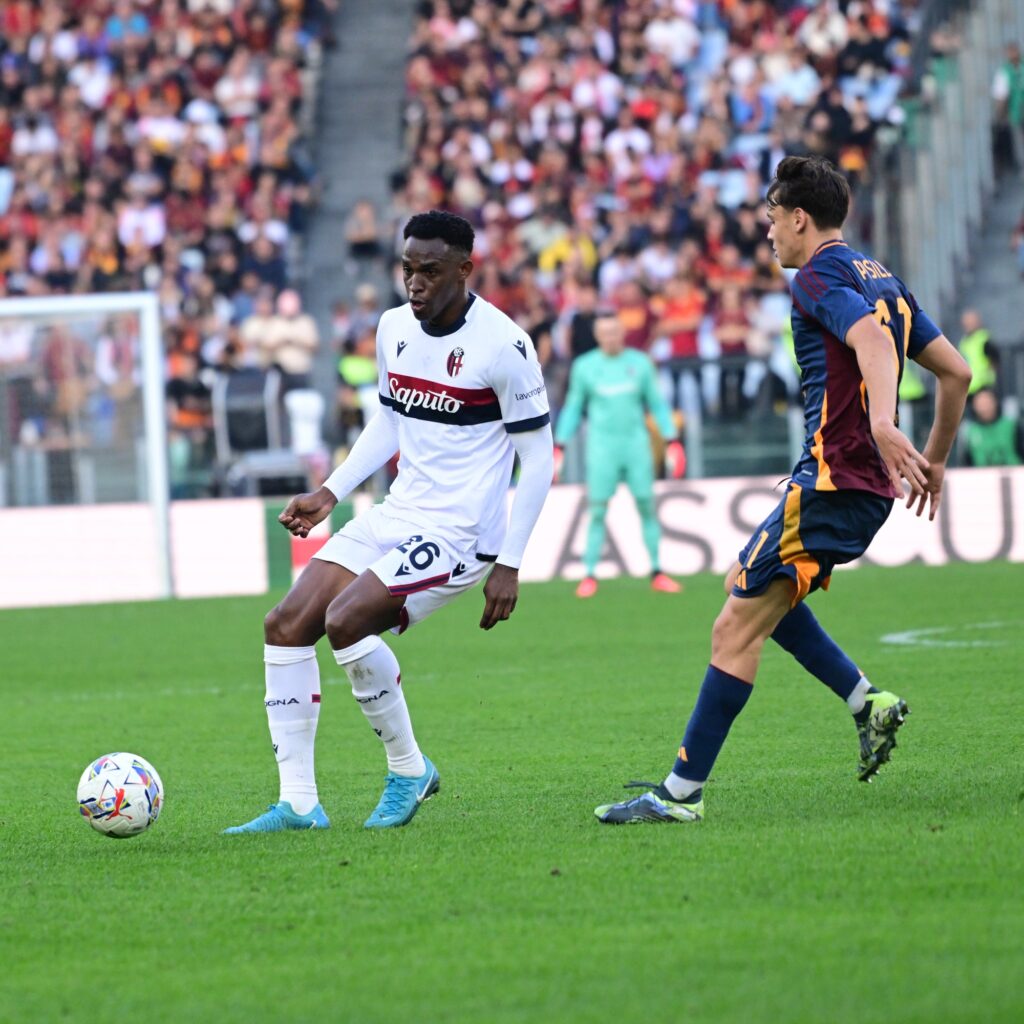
x,y
457,393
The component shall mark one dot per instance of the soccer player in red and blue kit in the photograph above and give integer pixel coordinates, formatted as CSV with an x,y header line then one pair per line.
x,y
854,325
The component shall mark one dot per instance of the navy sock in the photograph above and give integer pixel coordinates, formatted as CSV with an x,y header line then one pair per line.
x,y
801,634
721,699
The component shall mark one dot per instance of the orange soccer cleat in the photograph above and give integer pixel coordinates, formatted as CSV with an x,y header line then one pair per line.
x,y
587,587
664,584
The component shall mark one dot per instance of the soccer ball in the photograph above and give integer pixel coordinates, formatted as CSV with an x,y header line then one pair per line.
x,y
120,795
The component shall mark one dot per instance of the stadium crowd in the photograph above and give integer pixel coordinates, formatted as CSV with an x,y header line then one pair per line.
x,y
611,155
617,154
156,145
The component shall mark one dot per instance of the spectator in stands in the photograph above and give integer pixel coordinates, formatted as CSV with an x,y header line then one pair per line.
x,y
244,297
290,342
119,373
977,347
357,384
366,312
681,309
824,31
576,326
1008,94
190,421
22,413
68,366
363,235
256,328
634,311
991,438
266,261
732,328
341,323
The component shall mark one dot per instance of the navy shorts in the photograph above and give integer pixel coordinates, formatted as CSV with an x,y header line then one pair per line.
x,y
807,534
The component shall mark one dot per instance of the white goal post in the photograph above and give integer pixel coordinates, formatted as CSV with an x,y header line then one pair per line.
x,y
83,419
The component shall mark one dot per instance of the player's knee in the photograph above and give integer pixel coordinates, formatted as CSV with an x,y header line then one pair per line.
x,y
343,624
720,631
598,511
731,634
276,627
282,628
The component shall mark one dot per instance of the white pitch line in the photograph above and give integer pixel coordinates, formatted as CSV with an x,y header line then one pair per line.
x,y
929,637
164,691
253,688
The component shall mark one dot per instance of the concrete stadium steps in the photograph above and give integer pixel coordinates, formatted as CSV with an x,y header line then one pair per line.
x,y
356,146
995,287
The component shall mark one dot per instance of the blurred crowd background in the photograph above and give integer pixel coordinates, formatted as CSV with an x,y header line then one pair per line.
x,y
610,156
159,146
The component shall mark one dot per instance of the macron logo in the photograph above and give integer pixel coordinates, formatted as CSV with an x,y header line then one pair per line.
x,y
521,347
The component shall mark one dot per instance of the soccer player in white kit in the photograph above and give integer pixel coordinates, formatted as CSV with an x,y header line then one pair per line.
x,y
461,394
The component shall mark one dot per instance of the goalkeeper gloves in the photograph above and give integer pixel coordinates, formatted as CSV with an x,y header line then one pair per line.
x,y
675,460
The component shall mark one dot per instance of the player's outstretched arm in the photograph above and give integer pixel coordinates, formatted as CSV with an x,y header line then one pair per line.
x,y
873,347
501,591
953,379
374,446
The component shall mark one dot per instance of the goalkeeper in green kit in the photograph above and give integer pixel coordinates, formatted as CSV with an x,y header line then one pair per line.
x,y
615,386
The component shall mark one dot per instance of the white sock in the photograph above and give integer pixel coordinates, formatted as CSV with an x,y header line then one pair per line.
x,y
856,701
293,707
376,685
679,787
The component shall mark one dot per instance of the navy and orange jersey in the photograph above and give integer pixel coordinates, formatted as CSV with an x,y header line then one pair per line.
x,y
833,290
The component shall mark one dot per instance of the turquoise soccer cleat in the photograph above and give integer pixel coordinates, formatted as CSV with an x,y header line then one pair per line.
x,y
402,797
877,726
280,817
656,805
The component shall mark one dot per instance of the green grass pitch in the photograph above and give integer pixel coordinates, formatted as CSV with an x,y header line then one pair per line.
x,y
804,896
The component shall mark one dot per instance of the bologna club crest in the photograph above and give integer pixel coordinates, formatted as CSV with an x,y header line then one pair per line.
x,y
455,362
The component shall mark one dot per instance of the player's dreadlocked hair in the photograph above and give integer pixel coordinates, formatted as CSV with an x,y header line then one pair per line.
x,y
454,231
812,184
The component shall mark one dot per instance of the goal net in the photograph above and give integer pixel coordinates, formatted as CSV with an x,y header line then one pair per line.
x,y
82,407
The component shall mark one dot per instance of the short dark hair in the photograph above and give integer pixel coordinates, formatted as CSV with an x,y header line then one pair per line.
x,y
455,231
812,184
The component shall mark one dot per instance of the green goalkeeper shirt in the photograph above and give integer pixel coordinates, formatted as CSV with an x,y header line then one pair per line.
x,y
614,392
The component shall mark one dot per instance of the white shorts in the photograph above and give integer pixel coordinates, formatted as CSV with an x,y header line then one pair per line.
x,y
415,562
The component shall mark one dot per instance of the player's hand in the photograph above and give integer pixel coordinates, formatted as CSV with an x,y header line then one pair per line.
x,y
675,460
935,475
501,591
304,511
902,460
559,457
